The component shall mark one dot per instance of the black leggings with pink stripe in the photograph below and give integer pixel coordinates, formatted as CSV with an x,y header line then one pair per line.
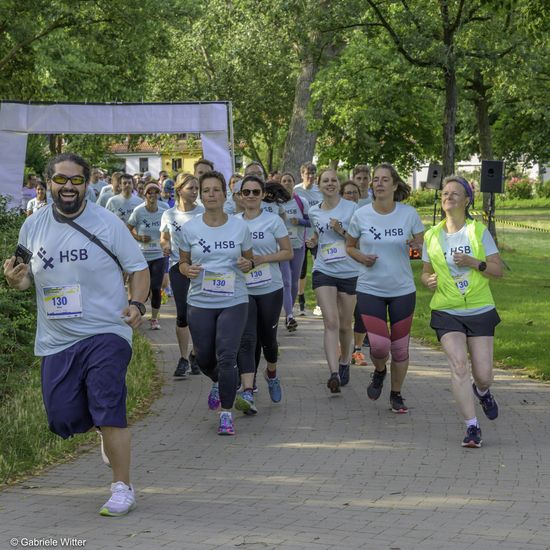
x,y
375,311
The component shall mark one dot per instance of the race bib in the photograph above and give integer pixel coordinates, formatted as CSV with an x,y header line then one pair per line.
x,y
259,276
461,282
62,302
332,252
218,284
293,232
151,246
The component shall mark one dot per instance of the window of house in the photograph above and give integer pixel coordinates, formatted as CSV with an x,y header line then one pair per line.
x,y
144,164
176,165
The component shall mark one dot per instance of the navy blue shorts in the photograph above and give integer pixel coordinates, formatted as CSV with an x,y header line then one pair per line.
x,y
319,278
85,385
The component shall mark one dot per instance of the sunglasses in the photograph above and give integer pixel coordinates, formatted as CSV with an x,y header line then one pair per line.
x,y
61,179
254,192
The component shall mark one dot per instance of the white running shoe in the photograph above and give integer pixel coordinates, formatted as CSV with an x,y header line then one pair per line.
x,y
317,311
121,502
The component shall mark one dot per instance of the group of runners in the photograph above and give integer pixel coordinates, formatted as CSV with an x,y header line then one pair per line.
x,y
236,258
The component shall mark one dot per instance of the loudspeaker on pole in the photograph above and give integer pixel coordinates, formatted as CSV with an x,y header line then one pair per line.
x,y
492,176
435,176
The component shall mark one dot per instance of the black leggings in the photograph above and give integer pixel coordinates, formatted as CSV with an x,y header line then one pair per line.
x,y
180,286
156,272
260,331
216,336
313,252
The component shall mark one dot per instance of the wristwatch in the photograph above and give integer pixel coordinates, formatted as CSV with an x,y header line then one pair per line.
x,y
139,305
482,266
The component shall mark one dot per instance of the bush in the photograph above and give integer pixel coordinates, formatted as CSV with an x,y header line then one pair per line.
x,y
421,198
519,188
17,312
543,190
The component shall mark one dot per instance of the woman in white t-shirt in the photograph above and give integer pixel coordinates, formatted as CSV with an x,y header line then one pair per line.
x,y
334,276
186,191
460,257
378,239
40,200
215,254
270,245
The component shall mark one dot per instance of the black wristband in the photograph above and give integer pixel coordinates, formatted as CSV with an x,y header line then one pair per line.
x,y
252,264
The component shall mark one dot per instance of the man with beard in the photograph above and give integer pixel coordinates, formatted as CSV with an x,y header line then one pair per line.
x,y
85,322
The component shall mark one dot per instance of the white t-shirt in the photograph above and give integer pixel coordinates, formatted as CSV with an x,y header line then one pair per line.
x,y
295,232
122,207
221,284
386,235
459,242
332,258
265,230
67,266
105,194
172,222
311,197
27,193
148,223
33,205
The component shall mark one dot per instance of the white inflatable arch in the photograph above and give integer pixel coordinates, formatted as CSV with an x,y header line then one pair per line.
x,y
212,120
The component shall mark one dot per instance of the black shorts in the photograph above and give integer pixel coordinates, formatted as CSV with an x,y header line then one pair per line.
x,y
342,285
482,324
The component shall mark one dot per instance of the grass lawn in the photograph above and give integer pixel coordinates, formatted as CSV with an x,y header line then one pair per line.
x,y
522,298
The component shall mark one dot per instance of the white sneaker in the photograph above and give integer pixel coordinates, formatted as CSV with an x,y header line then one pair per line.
x,y
317,311
103,454
121,502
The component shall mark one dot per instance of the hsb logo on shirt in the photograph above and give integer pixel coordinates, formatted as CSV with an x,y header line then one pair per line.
x,y
257,235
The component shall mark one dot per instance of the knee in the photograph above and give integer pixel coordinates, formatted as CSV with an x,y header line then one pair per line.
x,y
459,368
331,322
400,350
379,348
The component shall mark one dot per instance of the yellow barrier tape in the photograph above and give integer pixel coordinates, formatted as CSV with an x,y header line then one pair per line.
x,y
513,224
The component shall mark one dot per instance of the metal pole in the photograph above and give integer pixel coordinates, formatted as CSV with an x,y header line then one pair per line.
x,y
231,135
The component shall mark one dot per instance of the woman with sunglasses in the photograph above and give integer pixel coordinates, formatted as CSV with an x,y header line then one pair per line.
x,y
144,224
378,239
186,191
460,257
270,245
334,276
215,254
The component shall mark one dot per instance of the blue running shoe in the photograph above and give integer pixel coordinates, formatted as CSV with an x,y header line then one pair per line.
x,y
214,402
343,371
472,438
226,426
244,402
274,386
488,403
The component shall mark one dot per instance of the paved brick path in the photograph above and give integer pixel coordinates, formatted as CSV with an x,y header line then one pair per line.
x,y
314,472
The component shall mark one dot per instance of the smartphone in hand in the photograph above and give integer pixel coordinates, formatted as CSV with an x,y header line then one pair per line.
x,y
22,255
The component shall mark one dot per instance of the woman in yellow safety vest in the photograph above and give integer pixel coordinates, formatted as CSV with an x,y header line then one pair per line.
x,y
459,257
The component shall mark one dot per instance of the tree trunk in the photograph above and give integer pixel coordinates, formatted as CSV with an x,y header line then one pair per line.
x,y
449,119
300,142
481,103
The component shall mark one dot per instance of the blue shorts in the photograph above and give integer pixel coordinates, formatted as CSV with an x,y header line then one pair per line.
x,y
85,385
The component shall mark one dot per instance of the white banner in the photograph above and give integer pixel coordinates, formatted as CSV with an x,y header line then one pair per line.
x,y
18,119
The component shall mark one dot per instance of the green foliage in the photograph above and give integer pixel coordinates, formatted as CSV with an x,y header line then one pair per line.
x,y
17,312
517,188
543,190
421,198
